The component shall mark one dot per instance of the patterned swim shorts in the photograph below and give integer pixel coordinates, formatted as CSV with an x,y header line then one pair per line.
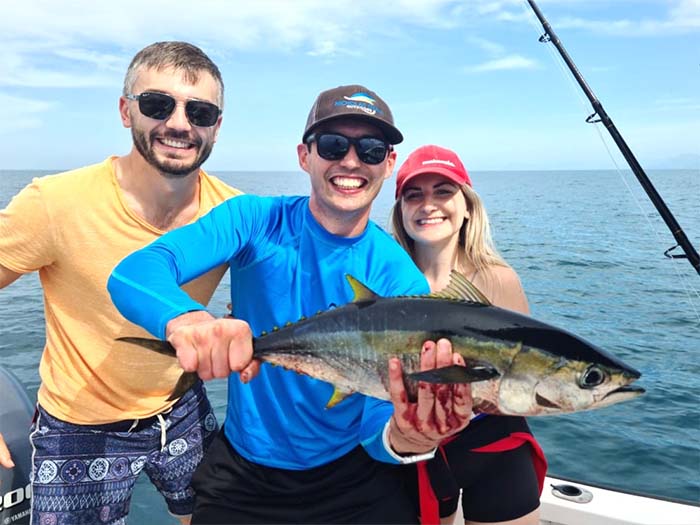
x,y
85,474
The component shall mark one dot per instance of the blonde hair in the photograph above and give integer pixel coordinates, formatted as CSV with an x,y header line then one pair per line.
x,y
476,247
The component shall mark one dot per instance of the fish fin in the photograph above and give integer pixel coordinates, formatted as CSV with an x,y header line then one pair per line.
x,y
161,347
460,288
337,397
456,374
184,383
186,380
362,293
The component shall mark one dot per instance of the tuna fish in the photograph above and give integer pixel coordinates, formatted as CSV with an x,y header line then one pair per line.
x,y
517,365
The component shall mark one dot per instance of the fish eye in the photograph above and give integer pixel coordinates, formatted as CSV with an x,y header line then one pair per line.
x,y
593,376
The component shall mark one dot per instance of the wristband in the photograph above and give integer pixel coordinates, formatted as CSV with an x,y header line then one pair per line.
x,y
404,460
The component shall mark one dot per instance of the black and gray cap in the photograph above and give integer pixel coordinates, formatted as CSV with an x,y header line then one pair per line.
x,y
353,101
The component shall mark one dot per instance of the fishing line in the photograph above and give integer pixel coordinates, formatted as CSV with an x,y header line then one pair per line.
x,y
688,288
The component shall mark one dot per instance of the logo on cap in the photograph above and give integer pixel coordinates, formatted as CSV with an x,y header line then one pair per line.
x,y
361,101
438,161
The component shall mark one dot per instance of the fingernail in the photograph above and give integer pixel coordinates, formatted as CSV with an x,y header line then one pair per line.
x,y
244,377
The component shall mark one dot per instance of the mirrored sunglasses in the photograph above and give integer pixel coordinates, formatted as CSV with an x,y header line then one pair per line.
x,y
334,146
160,106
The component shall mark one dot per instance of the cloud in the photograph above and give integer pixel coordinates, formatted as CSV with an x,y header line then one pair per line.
x,y
683,17
501,61
21,113
20,70
489,46
502,64
686,14
84,43
56,62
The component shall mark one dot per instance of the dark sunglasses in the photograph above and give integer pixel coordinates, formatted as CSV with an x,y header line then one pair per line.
x,y
334,146
160,106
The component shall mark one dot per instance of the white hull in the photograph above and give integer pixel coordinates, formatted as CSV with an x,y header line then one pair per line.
x,y
611,507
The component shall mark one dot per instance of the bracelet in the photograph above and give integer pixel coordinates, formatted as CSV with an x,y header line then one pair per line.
x,y
404,460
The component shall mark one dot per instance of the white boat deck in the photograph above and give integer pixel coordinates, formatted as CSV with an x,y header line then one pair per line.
x,y
609,507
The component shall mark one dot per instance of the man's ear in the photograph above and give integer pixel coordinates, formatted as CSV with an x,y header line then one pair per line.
x,y
303,154
124,112
218,127
390,163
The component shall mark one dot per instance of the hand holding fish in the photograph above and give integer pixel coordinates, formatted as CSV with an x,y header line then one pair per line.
x,y
5,457
440,410
213,347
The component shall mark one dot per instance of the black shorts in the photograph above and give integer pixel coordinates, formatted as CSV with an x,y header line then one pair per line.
x,y
352,489
496,485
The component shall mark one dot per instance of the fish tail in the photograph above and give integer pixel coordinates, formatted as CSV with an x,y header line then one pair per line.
x,y
156,345
184,383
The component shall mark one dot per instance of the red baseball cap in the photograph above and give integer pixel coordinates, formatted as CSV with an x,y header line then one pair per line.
x,y
432,159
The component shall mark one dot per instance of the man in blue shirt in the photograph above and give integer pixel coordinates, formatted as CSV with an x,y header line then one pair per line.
x,y
282,455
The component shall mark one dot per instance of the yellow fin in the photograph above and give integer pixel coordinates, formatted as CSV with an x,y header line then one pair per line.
x,y
460,288
362,293
336,398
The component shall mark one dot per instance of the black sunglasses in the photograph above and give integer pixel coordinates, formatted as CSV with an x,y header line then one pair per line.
x,y
160,106
334,146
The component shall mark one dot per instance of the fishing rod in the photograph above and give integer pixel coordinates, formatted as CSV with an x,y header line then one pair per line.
x,y
600,115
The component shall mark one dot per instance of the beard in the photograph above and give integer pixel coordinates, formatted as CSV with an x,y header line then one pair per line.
x,y
171,168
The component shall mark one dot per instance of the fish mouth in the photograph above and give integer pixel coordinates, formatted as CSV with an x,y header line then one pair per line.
x,y
619,394
626,390
544,402
624,393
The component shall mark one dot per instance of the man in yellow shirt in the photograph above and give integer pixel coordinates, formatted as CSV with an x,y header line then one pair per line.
x,y
103,411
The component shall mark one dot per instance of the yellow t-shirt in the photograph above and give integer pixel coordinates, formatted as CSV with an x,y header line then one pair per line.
x,y
73,228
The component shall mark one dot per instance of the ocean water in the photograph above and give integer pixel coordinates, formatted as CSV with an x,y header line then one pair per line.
x,y
588,246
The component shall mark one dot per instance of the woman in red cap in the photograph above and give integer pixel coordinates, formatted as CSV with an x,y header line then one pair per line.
x,y
499,467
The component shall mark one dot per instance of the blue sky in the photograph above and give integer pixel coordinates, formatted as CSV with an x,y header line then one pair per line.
x,y
467,74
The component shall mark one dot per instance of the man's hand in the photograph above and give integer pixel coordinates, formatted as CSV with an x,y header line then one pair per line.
x,y
440,411
5,457
213,347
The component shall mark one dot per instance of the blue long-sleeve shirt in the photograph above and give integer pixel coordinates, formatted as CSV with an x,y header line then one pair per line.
x,y
284,266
